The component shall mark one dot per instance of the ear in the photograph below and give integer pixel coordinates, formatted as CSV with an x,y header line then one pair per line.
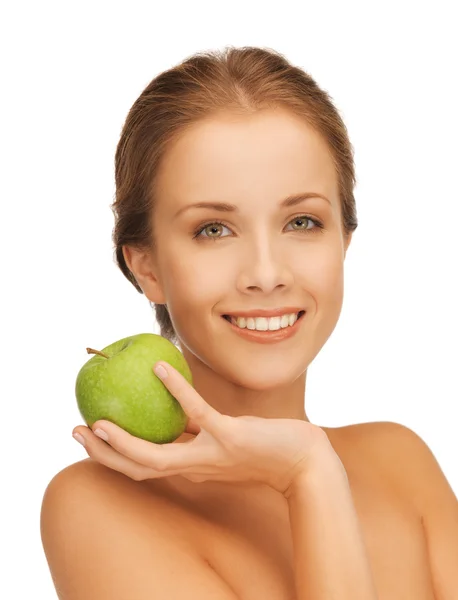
x,y
144,269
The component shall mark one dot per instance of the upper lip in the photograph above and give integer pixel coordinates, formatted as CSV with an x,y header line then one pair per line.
x,y
265,312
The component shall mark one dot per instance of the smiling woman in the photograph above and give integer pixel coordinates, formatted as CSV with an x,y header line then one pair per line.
x,y
253,501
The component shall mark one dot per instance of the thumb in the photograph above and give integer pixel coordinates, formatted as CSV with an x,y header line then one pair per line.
x,y
192,427
198,411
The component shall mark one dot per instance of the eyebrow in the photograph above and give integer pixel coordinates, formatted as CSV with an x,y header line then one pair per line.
x,y
225,207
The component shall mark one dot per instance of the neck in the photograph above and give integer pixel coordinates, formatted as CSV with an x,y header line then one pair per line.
x,y
233,396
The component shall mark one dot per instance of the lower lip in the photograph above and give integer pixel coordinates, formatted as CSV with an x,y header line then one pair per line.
x,y
267,337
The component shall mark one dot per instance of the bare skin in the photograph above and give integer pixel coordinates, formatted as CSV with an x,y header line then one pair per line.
x,y
243,532
255,162
237,537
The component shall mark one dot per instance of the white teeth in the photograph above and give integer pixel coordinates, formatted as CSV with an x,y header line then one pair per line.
x,y
265,324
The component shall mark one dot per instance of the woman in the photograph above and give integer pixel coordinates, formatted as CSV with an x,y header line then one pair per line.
x,y
259,502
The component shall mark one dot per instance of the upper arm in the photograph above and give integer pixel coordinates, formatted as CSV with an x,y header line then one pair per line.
x,y
420,476
99,548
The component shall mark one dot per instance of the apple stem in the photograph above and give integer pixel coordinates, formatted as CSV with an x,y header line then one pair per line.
x,y
92,351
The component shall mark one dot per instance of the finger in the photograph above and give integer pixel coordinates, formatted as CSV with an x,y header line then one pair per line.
x,y
192,403
104,454
163,458
192,427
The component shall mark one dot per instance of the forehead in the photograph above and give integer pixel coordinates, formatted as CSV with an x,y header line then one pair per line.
x,y
269,154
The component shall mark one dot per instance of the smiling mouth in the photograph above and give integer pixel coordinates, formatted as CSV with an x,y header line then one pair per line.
x,y
300,314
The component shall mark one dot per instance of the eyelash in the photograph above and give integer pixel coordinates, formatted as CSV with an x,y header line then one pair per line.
x,y
318,227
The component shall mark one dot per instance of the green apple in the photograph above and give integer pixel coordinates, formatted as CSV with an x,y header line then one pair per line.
x,y
118,384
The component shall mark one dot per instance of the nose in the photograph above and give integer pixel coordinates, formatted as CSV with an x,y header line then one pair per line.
x,y
263,268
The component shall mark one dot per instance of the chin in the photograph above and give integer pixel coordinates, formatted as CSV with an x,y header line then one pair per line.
x,y
266,381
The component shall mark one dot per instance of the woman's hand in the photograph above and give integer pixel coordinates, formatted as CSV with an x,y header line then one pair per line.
x,y
232,449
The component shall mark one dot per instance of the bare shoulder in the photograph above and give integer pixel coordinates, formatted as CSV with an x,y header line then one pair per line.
x,y
87,476
378,438
106,537
402,456
379,441
410,464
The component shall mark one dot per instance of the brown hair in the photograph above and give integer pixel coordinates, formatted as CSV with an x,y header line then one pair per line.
x,y
237,80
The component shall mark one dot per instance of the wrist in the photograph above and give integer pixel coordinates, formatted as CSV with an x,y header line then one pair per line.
x,y
323,467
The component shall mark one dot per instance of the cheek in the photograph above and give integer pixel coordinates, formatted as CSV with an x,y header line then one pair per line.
x,y
326,275
321,264
197,281
192,293
323,279
193,282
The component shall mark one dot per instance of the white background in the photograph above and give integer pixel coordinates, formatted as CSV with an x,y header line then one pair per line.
x,y
70,73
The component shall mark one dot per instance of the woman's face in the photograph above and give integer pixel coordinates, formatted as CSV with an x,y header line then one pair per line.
x,y
262,257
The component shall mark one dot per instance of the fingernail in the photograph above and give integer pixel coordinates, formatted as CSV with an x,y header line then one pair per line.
x,y
79,438
101,434
160,371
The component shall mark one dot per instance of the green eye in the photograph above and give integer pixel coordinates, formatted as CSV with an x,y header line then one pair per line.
x,y
203,226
